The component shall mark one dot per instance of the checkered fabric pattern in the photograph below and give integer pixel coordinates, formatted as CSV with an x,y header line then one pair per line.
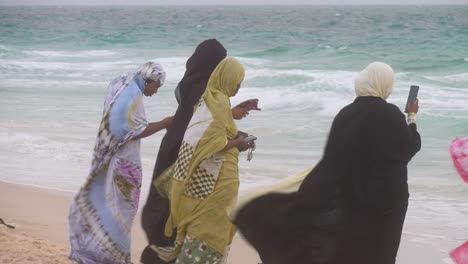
x,y
183,161
201,184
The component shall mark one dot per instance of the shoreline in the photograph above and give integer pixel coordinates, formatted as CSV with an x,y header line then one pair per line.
x,y
40,217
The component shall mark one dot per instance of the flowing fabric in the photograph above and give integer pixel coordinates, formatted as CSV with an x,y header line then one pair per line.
x,y
196,251
102,212
351,207
289,184
206,179
459,153
460,254
199,67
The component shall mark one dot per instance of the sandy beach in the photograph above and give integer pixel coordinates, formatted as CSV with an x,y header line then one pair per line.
x,y
41,236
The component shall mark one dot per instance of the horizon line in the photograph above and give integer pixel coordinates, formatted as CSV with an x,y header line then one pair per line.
x,y
233,5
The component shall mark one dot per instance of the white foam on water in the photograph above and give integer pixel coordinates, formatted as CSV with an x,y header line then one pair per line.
x,y
2,47
72,54
37,83
38,66
41,146
253,61
342,78
174,67
451,78
326,92
434,100
448,261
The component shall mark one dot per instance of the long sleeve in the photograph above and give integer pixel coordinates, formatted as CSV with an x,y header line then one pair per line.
x,y
415,139
393,143
393,138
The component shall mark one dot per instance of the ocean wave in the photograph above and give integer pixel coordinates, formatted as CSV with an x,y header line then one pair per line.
x,y
38,145
64,66
174,67
424,64
324,102
451,80
72,54
276,51
2,47
38,83
335,76
5,51
435,101
253,61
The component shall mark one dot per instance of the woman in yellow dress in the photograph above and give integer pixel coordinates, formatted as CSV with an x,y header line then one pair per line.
x,y
205,179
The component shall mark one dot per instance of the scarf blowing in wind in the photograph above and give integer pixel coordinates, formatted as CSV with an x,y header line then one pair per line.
x,y
102,212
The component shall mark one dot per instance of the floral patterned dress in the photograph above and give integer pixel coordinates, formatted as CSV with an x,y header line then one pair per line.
x,y
102,213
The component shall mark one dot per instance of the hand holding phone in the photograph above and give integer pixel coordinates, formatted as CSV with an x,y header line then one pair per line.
x,y
412,102
250,139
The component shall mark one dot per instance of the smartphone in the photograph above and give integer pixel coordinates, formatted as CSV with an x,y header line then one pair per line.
x,y
240,133
250,138
413,94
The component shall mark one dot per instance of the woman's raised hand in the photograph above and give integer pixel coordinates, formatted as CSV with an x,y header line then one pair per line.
x,y
242,110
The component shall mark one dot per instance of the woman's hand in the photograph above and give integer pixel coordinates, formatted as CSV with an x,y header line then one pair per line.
x,y
414,107
242,109
241,144
155,127
238,112
251,104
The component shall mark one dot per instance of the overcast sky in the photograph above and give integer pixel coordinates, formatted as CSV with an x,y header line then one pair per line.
x,y
233,2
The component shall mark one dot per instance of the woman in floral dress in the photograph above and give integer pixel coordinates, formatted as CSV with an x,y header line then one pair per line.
x,y
102,212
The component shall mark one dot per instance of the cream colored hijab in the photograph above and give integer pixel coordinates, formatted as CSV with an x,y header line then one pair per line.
x,y
375,80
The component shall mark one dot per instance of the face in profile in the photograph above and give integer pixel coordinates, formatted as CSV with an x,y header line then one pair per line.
x,y
151,87
238,87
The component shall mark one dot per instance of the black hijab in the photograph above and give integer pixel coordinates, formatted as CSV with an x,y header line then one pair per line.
x,y
199,67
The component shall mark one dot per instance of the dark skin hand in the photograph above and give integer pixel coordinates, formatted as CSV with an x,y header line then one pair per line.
x,y
155,127
239,143
242,110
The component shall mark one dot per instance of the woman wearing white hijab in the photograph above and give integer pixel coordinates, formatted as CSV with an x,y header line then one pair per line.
x,y
375,192
102,213
351,207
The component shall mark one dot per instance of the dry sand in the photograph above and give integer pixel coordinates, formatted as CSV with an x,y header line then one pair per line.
x,y
41,236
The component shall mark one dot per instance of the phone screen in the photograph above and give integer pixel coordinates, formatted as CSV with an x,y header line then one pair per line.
x,y
413,94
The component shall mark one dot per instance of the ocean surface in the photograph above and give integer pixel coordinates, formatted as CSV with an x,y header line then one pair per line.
x,y
55,63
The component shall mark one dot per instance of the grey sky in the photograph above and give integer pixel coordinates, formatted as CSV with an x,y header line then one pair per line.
x,y
233,2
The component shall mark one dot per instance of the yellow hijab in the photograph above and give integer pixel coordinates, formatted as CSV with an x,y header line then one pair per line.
x,y
222,84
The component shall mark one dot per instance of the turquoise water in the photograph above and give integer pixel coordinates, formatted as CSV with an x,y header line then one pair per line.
x,y
55,63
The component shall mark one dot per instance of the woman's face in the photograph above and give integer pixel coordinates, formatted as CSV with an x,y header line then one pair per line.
x,y
151,87
238,87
